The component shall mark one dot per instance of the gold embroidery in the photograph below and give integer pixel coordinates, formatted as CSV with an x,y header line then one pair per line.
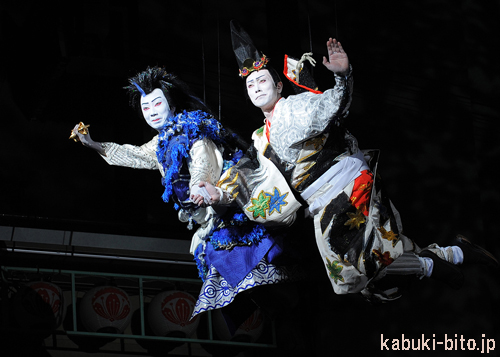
x,y
317,142
306,157
306,176
227,175
355,219
220,183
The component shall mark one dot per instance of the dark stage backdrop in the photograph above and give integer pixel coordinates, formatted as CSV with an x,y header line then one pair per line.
x,y
426,93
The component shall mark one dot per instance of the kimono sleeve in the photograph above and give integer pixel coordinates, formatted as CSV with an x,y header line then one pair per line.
x,y
136,157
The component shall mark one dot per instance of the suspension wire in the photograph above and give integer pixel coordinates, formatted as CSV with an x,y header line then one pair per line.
x,y
310,34
218,60
336,22
203,66
309,27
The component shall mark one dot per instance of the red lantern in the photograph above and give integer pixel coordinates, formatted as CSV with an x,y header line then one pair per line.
x,y
170,311
105,309
39,306
251,329
52,295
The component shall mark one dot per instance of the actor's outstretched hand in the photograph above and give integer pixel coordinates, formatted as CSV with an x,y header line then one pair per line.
x,y
87,141
337,61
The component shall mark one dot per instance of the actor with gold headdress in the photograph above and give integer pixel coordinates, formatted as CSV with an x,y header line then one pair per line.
x,y
357,228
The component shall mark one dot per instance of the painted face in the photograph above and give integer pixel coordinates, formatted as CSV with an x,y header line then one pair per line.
x,y
155,109
262,91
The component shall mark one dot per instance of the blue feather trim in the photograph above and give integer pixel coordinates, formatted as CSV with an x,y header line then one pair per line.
x,y
199,258
196,125
233,161
237,230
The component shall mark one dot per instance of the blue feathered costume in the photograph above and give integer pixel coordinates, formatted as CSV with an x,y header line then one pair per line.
x,y
232,253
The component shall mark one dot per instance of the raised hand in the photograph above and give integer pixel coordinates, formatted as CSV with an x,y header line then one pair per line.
x,y
337,61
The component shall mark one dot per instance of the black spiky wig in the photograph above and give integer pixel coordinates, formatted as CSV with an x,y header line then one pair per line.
x,y
176,91
178,95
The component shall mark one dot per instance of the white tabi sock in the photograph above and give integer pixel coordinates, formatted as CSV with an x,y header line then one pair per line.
x,y
457,254
452,254
427,266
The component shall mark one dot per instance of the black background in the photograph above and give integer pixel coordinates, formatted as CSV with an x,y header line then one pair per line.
x,y
426,93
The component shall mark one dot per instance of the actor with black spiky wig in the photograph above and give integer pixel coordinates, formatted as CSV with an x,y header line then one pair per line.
x,y
176,91
192,147
184,124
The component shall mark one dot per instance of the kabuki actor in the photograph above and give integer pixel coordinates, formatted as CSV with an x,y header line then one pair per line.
x,y
358,230
233,253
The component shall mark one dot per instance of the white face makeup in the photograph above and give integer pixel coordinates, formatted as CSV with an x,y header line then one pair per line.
x,y
155,109
262,91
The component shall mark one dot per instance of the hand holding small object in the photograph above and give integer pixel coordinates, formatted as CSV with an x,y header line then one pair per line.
x,y
81,133
79,128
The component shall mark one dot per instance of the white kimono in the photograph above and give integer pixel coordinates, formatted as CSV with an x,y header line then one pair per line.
x,y
204,164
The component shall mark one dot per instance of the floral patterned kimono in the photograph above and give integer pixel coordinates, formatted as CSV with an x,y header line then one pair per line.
x,y
358,231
